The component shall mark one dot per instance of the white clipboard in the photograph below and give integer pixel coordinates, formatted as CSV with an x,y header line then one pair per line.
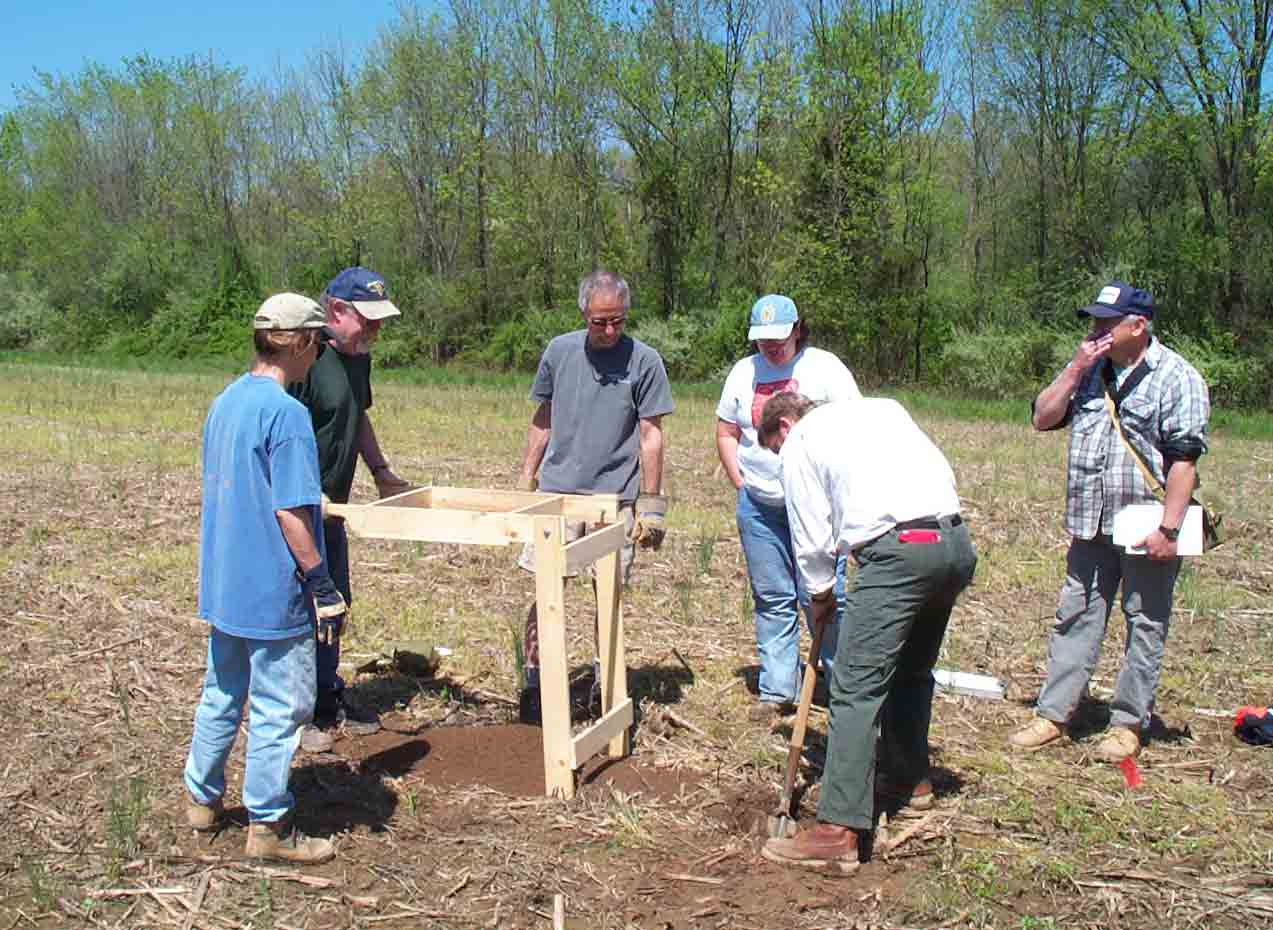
x,y
1136,521
982,686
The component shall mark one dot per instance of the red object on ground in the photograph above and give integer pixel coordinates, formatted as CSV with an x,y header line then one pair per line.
x,y
1248,710
1131,774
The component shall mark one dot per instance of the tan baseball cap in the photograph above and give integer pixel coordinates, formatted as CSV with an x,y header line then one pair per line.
x,y
289,311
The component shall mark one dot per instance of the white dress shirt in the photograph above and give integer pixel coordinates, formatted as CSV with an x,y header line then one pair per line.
x,y
853,470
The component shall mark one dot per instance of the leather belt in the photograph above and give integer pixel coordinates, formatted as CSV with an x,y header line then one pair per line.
x,y
930,523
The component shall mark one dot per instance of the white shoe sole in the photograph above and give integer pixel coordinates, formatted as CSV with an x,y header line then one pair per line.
x,y
832,866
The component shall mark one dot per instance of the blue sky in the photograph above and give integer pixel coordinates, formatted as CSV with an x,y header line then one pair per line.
x,y
61,35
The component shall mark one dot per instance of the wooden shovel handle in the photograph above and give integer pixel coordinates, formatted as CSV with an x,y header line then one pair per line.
x,y
806,701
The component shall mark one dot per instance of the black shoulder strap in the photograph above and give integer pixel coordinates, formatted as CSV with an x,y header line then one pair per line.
x,y
1107,376
1135,377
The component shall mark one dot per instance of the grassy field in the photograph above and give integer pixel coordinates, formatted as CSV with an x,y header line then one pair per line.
x,y
103,661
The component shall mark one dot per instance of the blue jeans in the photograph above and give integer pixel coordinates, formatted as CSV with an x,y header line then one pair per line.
x,y
771,565
275,677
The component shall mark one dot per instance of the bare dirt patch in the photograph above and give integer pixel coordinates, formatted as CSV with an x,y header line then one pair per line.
x,y
507,758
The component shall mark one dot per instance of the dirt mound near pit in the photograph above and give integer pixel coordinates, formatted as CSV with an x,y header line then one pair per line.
x,y
508,758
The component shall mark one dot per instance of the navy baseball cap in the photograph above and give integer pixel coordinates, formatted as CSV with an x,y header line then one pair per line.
x,y
1119,299
365,290
772,317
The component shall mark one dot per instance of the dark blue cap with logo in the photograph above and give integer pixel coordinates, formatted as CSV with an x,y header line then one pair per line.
x,y
364,289
1119,299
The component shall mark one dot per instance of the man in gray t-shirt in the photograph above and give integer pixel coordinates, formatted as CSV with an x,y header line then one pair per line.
x,y
597,429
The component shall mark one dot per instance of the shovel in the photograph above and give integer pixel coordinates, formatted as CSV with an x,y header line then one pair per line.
x,y
781,823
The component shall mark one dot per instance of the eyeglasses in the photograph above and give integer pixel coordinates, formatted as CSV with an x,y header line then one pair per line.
x,y
617,322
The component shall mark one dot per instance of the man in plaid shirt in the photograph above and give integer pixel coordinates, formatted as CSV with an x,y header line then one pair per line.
x,y
1163,405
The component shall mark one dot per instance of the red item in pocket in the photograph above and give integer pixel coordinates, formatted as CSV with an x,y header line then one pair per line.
x,y
919,536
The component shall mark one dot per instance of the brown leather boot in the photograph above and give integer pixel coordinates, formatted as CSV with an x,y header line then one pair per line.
x,y
826,847
280,840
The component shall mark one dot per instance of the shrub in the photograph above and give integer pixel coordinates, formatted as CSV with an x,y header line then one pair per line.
x,y
1234,379
1001,360
702,344
439,319
672,338
517,343
25,314
215,323
134,284
722,338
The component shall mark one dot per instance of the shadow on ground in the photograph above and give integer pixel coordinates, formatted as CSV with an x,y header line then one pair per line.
x,y
334,797
750,675
663,684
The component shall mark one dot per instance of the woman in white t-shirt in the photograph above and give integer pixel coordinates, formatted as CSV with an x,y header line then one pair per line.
x,y
783,362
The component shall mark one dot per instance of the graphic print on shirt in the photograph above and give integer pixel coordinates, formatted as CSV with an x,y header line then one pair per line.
x,y
760,396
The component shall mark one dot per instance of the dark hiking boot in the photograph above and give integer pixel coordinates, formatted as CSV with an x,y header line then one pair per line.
x,y
335,713
356,720
918,797
315,738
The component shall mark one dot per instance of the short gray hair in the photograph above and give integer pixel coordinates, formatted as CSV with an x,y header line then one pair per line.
x,y
603,281
325,301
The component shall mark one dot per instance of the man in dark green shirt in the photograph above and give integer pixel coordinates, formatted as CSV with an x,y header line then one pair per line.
x,y
337,392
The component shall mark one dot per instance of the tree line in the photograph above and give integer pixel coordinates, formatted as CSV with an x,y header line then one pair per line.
x,y
938,186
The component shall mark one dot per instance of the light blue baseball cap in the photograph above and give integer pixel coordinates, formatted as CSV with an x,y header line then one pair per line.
x,y
772,317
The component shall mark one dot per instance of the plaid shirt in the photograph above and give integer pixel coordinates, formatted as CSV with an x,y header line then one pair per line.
x,y
1169,404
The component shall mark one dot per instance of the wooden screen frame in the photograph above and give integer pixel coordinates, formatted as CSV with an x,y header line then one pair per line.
x,y
470,516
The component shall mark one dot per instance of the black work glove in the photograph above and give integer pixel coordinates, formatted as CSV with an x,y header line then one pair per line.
x,y
329,605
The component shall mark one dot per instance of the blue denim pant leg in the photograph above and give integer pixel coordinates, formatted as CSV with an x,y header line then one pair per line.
x,y
771,566
275,679
217,718
280,703
1094,570
327,655
832,634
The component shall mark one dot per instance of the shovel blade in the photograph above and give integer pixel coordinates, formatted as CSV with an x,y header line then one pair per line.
x,y
780,826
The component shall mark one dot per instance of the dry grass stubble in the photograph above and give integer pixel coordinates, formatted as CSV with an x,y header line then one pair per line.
x,y
104,660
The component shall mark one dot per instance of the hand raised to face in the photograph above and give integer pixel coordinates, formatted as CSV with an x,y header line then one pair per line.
x,y
1094,347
